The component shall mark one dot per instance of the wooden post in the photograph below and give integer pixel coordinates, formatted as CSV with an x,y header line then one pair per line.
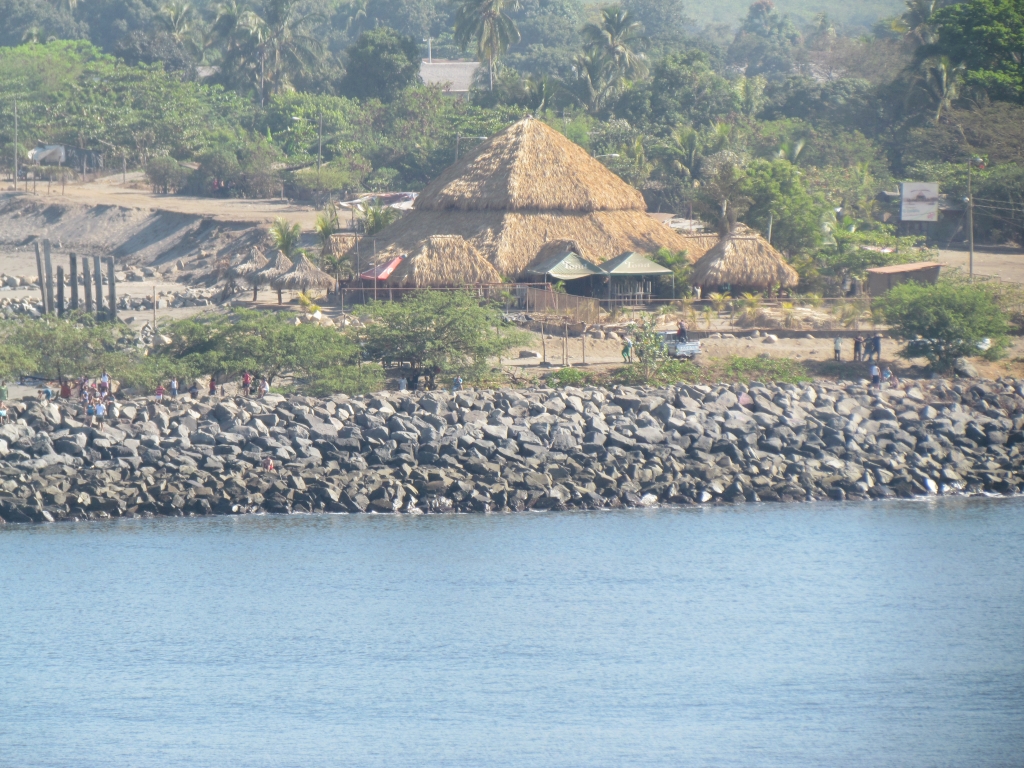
x,y
74,282
97,275
565,346
583,341
112,289
87,276
543,343
48,264
60,291
42,275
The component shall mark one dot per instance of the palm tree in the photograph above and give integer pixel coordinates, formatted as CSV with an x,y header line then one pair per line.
x,y
618,37
487,25
376,216
326,225
279,46
177,18
595,78
790,150
285,237
941,81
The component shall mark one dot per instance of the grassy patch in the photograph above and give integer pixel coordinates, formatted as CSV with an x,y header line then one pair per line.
x,y
668,372
782,370
570,377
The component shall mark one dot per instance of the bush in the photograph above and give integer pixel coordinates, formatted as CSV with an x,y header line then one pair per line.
x,y
664,373
782,370
569,377
166,174
943,322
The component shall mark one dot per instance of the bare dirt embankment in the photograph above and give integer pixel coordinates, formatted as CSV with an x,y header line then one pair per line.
x,y
133,236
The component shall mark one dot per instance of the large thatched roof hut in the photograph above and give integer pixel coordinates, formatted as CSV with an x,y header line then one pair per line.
x,y
521,189
743,260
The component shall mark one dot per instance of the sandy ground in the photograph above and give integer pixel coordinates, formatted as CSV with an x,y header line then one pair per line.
x,y
111,190
1006,264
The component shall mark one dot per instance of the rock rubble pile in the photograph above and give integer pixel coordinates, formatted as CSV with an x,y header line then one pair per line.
x,y
481,451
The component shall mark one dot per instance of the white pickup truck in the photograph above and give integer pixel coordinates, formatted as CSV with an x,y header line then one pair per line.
x,y
680,349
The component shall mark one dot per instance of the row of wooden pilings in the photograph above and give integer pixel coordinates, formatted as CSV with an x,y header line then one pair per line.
x,y
91,278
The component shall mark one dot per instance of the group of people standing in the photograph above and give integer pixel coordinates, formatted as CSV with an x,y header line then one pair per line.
x,y
427,377
250,387
864,350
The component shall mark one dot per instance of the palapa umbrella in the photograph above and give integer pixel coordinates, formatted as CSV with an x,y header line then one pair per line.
x,y
303,276
277,266
248,267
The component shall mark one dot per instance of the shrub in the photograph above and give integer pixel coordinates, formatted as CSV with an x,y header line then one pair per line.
x,y
569,377
781,370
943,322
166,174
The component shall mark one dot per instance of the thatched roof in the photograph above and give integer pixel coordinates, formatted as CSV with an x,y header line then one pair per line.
x,y
303,276
275,267
698,245
743,258
444,260
250,264
519,191
529,167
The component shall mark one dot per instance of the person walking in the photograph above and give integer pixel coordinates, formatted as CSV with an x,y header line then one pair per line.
x,y
876,377
246,383
627,350
3,412
4,395
876,343
90,413
837,345
101,412
160,392
858,349
213,386
174,387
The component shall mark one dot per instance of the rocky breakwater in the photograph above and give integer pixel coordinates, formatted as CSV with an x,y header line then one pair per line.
x,y
481,451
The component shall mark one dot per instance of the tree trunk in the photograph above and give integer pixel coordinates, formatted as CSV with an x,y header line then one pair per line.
x,y
490,71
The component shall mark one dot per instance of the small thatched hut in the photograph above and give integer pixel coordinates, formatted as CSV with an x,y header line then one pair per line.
x,y
247,268
743,260
303,276
444,260
517,191
275,267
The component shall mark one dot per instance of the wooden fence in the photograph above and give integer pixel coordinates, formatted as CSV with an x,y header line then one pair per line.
x,y
578,309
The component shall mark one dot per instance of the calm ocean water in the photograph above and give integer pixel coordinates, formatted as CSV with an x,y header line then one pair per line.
x,y
815,635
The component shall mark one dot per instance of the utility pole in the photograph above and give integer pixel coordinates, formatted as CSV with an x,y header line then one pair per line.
x,y
430,53
15,145
970,213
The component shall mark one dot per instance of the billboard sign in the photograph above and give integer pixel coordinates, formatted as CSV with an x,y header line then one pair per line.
x,y
919,201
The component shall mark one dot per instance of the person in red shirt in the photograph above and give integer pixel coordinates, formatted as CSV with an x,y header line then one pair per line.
x,y
160,392
213,386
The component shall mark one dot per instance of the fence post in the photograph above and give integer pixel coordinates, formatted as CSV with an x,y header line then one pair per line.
x,y
87,275
543,343
74,282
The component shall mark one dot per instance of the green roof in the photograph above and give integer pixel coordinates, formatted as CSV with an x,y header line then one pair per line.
x,y
566,266
633,264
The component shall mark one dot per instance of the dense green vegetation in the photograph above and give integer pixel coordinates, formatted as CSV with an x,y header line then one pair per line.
x,y
945,321
794,122
438,332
